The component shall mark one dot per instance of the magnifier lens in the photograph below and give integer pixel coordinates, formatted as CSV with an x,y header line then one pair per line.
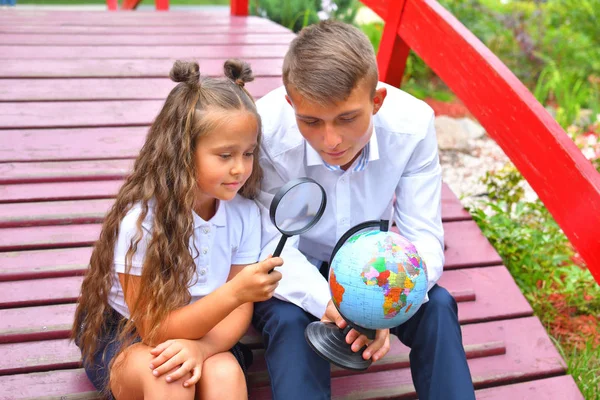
x,y
298,208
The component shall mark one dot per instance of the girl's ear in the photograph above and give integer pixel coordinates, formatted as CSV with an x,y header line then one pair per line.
x,y
378,99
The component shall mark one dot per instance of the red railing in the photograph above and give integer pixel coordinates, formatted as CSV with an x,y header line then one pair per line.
x,y
563,178
113,5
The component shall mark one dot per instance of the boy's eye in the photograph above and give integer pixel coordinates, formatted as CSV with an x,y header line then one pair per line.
x,y
310,121
348,119
225,156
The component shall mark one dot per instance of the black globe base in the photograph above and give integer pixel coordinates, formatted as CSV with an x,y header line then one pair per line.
x,y
329,342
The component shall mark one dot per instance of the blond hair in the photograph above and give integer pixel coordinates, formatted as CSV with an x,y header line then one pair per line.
x,y
326,61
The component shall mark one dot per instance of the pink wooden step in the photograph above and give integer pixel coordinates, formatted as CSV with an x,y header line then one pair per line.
x,y
104,52
42,264
78,113
93,211
485,293
59,354
59,191
144,30
558,387
529,355
467,247
105,89
36,292
125,67
150,39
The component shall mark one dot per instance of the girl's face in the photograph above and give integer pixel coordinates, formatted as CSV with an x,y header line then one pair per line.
x,y
224,159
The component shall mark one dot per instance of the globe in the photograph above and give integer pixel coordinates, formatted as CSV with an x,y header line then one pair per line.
x,y
377,279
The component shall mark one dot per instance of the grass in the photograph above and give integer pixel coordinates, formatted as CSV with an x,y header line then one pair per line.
x,y
145,2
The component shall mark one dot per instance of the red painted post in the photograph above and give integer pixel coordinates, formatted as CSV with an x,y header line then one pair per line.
x,y
239,7
130,4
112,5
393,51
162,5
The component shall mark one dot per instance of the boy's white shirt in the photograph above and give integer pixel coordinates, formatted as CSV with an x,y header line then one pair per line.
x,y
403,162
230,237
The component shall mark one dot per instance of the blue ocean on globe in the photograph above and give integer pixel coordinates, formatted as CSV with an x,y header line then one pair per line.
x,y
377,279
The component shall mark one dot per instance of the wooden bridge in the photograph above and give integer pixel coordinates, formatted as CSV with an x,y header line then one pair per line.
x,y
78,91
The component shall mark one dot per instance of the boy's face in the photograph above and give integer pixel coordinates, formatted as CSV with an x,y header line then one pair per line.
x,y
338,131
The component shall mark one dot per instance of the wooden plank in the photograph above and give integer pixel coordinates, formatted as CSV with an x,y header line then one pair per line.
x,y
44,263
105,89
528,356
467,247
452,208
68,384
103,52
116,20
125,68
64,114
93,211
558,387
60,354
31,192
149,39
54,213
495,297
464,254
511,115
143,30
37,292
64,171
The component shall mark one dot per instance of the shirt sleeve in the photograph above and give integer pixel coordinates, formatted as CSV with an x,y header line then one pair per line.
x,y
127,233
249,249
418,209
302,284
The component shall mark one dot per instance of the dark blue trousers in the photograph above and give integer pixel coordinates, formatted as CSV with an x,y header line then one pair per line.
x,y
437,358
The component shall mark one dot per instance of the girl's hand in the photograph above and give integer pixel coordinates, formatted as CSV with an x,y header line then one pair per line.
x,y
254,282
187,354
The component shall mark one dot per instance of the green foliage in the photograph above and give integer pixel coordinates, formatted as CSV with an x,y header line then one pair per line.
x,y
293,14
584,364
296,14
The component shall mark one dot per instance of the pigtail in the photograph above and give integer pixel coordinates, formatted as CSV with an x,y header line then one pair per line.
x,y
239,72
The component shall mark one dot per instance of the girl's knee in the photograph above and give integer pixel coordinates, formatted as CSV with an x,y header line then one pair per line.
x,y
224,371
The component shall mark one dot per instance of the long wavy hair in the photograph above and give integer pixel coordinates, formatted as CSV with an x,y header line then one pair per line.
x,y
163,174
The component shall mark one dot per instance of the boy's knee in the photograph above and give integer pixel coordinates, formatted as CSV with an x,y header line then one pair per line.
x,y
441,300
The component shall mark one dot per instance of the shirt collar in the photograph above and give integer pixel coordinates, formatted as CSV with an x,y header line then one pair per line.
x,y
217,220
369,153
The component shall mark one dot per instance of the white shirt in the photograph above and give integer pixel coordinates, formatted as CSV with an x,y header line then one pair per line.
x,y
401,180
230,237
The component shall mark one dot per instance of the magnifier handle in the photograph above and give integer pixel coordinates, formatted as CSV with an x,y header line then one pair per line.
x,y
280,245
279,248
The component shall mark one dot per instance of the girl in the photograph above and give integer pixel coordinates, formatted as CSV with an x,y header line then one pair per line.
x,y
169,266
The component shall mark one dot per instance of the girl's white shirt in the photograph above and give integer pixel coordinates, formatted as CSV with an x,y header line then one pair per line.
x,y
231,237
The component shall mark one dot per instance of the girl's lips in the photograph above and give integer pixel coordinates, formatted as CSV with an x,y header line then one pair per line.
x,y
232,185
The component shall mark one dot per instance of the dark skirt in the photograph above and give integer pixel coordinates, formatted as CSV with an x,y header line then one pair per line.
x,y
107,349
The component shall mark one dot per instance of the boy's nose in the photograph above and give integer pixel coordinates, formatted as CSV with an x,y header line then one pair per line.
x,y
330,137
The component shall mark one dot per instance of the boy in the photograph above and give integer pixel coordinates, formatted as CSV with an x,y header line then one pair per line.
x,y
328,122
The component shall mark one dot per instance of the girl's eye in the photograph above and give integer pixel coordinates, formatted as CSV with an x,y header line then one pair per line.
x,y
249,154
225,156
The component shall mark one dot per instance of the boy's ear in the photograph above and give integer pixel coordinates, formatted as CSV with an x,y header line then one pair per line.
x,y
287,98
378,99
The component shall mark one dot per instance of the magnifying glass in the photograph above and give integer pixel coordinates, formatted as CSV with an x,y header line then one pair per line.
x,y
296,208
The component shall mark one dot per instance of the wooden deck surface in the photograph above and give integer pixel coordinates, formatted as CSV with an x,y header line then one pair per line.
x,y
77,93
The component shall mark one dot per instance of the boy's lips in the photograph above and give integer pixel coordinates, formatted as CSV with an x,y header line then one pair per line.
x,y
336,154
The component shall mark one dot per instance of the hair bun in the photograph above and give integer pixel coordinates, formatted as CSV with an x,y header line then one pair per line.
x,y
185,71
238,71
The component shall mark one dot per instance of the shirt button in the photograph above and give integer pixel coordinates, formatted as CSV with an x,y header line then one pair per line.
x,y
202,272
204,251
206,230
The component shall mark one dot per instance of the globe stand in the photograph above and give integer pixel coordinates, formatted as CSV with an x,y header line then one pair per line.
x,y
329,342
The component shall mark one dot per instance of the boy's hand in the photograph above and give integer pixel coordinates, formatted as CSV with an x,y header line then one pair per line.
x,y
376,349
185,354
256,282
